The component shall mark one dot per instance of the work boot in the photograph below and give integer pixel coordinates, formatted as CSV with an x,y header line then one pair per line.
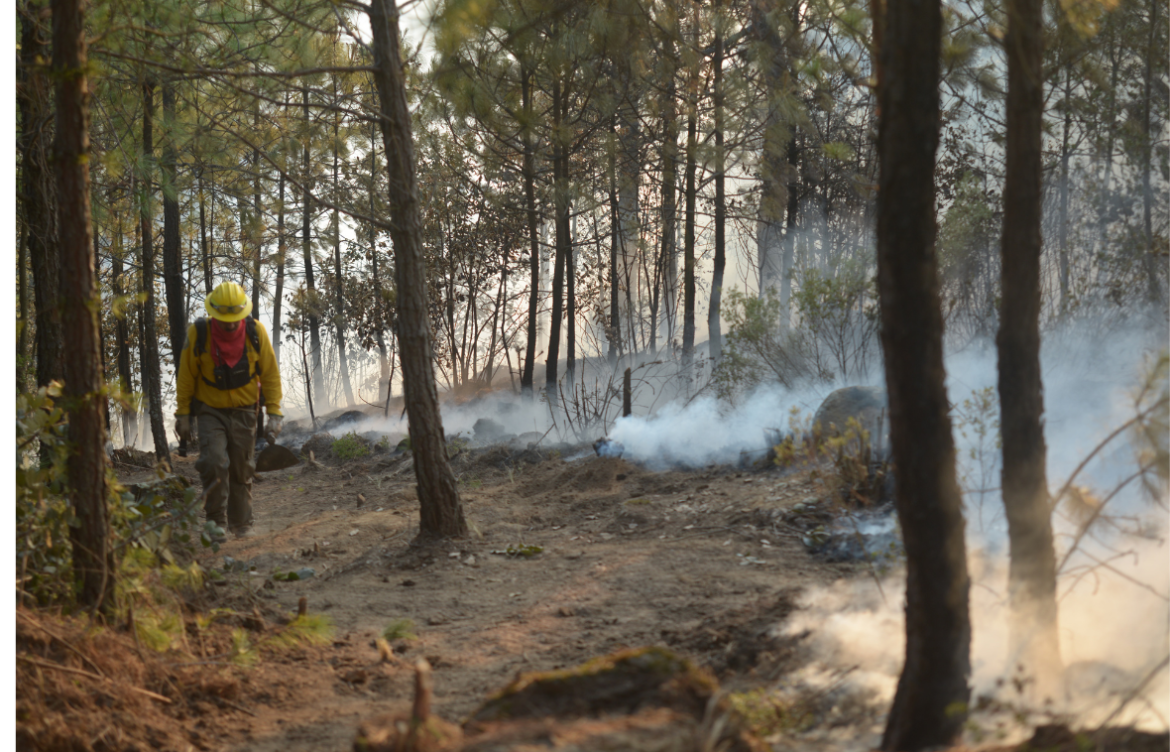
x,y
243,532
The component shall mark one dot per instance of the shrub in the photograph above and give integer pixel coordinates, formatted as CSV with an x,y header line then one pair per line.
x,y
350,447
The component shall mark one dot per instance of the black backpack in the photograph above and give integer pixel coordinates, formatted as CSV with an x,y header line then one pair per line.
x,y
229,377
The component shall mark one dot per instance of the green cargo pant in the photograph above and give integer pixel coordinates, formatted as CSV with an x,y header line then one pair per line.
x,y
227,449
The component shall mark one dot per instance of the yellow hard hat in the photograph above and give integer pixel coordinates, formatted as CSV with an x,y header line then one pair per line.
x,y
228,302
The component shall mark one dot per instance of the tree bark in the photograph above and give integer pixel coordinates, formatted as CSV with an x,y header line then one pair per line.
x,y
151,375
171,254
688,344
1032,571
383,358
441,512
529,167
255,226
93,560
36,183
339,314
929,705
306,242
615,316
122,341
1062,217
773,184
714,325
281,250
560,207
1149,258
204,244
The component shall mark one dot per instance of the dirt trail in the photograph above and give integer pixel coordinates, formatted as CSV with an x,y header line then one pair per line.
x,y
629,558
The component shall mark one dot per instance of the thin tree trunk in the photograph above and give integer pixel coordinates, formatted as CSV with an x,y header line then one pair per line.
x,y
93,559
560,203
306,242
281,250
122,341
36,182
615,320
714,325
383,359
22,353
171,252
1032,571
339,316
570,287
529,166
441,513
151,366
204,244
1150,257
932,694
1062,219
688,344
255,236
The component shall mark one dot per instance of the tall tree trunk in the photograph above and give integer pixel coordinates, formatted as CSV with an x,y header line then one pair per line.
x,y
773,183
615,318
529,166
932,690
441,513
307,246
36,183
340,313
171,253
22,353
255,226
383,358
93,558
204,245
560,207
1150,257
1032,571
688,345
570,288
714,325
278,294
1062,219
664,279
151,370
122,341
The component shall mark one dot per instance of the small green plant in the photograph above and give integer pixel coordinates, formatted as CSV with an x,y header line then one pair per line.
x,y
472,483
399,629
350,447
309,629
765,714
383,443
524,550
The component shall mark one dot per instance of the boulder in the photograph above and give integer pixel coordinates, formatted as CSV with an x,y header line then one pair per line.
x,y
868,404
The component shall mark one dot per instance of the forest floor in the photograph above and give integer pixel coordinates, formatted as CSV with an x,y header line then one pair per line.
x,y
698,561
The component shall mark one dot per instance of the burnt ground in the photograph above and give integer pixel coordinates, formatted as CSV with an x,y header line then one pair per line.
x,y
699,561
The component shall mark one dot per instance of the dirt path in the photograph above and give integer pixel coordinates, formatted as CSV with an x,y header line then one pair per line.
x,y
629,558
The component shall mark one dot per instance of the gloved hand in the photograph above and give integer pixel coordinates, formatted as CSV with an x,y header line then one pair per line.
x,y
272,426
183,427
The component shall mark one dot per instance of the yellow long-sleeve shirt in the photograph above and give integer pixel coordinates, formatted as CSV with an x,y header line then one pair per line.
x,y
194,369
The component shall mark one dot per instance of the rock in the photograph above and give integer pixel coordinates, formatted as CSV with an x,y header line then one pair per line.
x,y
347,417
487,431
320,444
868,404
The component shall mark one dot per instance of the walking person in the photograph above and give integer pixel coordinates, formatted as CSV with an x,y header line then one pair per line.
x,y
224,363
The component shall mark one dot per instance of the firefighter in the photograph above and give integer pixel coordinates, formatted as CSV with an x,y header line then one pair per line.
x,y
226,359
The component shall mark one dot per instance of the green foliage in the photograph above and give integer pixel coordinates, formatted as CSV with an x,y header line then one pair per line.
x,y
154,516
839,320
350,447
766,714
43,513
844,464
976,422
400,629
309,629
757,349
